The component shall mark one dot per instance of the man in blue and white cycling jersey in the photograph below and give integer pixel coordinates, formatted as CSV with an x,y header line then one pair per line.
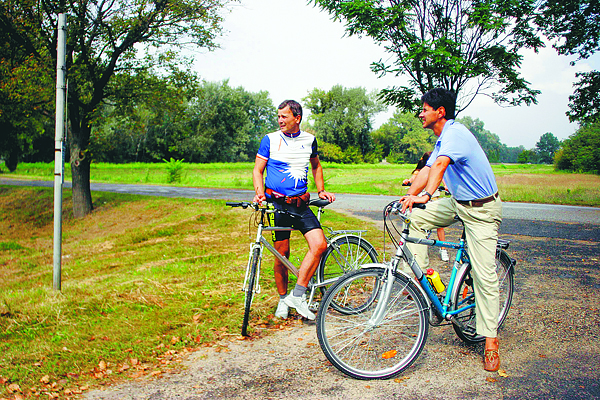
x,y
459,159
286,155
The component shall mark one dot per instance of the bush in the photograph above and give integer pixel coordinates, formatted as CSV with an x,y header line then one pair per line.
x,y
581,151
174,170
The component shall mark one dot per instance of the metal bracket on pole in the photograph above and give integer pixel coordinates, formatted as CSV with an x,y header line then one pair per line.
x,y
61,48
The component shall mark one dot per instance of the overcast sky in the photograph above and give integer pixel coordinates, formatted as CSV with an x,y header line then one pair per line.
x,y
288,48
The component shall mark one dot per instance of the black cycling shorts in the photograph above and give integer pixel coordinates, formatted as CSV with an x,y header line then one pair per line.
x,y
303,219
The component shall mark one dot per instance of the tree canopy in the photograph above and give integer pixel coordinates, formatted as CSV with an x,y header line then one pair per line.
x,y
575,27
470,47
546,147
580,152
107,40
403,138
343,116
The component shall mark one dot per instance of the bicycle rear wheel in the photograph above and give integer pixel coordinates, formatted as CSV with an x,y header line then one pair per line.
x,y
358,345
249,289
345,254
465,296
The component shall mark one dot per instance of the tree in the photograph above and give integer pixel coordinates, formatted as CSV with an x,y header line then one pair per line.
x,y
580,152
403,138
527,157
546,147
198,122
343,116
227,124
511,154
575,27
25,95
585,102
574,24
105,40
470,47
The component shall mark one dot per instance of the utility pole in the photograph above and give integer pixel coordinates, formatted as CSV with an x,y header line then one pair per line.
x,y
59,159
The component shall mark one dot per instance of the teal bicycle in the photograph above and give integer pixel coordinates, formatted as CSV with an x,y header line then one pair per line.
x,y
373,323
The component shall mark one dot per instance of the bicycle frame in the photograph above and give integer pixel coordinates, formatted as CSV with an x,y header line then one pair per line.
x,y
461,263
261,242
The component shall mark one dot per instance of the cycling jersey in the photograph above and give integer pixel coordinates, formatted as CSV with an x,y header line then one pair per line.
x,y
288,157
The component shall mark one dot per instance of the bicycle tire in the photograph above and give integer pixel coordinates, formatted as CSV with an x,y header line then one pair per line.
x,y
249,290
465,295
346,253
379,351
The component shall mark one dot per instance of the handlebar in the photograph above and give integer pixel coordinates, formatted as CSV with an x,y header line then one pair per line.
x,y
441,188
244,204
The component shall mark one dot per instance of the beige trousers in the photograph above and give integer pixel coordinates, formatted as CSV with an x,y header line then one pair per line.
x,y
481,229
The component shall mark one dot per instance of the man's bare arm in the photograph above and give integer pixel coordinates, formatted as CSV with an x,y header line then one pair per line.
x,y
317,171
434,176
257,179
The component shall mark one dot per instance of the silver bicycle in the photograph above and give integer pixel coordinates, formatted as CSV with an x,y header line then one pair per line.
x,y
347,250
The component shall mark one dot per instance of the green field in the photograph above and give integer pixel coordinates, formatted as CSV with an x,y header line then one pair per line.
x,y
529,183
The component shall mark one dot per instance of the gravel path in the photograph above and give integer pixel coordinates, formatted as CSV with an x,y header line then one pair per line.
x,y
550,348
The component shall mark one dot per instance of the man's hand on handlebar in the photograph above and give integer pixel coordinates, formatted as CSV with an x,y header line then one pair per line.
x,y
409,200
259,198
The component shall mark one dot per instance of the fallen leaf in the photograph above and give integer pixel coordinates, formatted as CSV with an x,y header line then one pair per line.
x,y
13,387
490,379
45,379
389,354
502,373
542,356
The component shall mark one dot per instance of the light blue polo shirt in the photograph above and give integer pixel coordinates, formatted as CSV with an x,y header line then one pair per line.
x,y
469,176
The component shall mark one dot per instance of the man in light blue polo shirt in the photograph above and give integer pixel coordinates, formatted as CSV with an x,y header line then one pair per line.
x,y
460,161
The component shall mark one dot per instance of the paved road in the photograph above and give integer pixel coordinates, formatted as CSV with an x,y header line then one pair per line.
x,y
540,220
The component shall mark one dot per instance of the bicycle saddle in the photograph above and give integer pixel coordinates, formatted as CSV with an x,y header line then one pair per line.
x,y
319,202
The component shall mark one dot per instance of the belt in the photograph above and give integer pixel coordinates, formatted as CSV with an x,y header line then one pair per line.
x,y
478,202
298,201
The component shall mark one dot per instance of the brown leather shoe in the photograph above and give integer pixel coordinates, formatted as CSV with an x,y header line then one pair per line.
x,y
491,358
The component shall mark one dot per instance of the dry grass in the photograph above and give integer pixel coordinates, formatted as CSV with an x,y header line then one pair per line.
x,y
143,278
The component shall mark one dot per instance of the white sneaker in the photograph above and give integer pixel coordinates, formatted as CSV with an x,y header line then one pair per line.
x,y
300,304
444,255
282,309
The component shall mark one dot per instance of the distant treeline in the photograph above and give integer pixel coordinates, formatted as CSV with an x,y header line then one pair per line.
x,y
219,123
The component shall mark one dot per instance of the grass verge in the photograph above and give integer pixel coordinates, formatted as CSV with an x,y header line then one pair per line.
x,y
145,280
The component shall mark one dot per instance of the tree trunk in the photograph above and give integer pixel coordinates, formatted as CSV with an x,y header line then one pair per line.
x,y
80,168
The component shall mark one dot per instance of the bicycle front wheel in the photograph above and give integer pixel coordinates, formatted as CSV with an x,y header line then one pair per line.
x,y
465,296
249,289
359,343
345,254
